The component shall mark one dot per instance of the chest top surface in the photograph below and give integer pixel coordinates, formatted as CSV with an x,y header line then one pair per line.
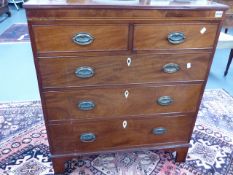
x,y
127,4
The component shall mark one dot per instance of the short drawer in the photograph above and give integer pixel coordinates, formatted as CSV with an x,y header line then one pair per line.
x,y
116,102
123,69
174,36
120,133
78,38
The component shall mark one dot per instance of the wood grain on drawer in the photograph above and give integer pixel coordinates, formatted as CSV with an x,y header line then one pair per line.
x,y
60,38
90,14
152,37
110,70
111,133
114,102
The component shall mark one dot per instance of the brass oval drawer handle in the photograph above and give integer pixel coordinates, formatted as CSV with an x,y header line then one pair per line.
x,y
87,137
86,105
176,37
84,72
159,131
165,100
171,68
83,38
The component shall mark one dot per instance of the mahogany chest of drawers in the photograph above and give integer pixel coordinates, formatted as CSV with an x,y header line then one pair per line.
x,y
121,75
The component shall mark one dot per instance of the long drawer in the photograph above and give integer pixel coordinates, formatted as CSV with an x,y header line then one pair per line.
x,y
174,36
116,102
120,133
76,38
123,69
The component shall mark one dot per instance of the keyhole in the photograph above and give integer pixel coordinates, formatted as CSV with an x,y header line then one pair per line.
x,y
189,65
126,94
124,124
129,61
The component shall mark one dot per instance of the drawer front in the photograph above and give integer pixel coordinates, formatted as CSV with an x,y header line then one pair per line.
x,y
81,38
119,133
117,102
110,70
174,36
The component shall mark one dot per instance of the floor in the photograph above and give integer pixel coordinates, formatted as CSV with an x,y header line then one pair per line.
x,y
18,80
17,73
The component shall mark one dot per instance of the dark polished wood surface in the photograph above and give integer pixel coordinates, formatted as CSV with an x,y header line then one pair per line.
x,y
114,70
124,14
115,37
111,103
122,30
111,134
59,38
152,37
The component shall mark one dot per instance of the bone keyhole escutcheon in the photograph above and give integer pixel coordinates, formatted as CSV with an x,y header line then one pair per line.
x,y
189,65
124,124
129,61
126,94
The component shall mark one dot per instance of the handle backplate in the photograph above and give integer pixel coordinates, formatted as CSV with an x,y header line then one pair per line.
x,y
87,137
83,38
159,131
171,68
86,105
84,72
176,37
165,100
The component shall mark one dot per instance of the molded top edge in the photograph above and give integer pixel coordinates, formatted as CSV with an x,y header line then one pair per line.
x,y
125,4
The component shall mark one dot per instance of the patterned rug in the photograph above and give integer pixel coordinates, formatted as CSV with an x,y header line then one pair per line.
x,y
24,147
15,33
